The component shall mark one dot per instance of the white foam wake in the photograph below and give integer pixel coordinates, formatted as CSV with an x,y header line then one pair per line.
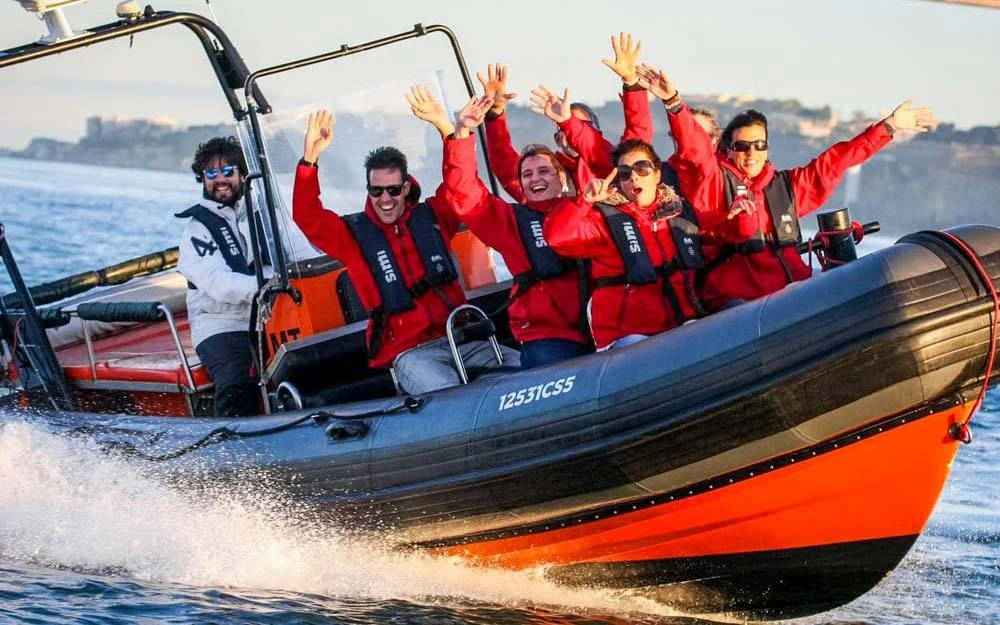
x,y
64,504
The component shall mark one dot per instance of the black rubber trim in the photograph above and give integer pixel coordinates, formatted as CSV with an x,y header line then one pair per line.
x,y
746,473
777,584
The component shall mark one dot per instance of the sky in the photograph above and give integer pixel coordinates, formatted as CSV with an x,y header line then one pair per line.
x,y
865,55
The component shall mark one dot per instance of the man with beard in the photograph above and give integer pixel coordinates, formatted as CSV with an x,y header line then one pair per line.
x,y
217,262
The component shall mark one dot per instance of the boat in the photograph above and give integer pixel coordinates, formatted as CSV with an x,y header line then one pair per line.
x,y
774,460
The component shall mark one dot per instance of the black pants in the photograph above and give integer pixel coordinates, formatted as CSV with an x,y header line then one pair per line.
x,y
228,360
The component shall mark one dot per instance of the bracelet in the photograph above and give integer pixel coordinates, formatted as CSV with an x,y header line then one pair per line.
x,y
672,100
303,161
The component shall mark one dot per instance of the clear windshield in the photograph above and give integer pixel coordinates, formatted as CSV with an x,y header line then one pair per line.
x,y
368,114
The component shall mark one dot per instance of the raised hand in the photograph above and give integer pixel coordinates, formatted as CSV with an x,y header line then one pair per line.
x,y
656,81
626,57
907,117
319,134
495,85
599,189
425,106
545,102
472,114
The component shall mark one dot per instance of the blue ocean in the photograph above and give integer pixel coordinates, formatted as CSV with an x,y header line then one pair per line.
x,y
85,538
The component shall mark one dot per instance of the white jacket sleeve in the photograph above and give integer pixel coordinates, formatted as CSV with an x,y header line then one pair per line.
x,y
201,262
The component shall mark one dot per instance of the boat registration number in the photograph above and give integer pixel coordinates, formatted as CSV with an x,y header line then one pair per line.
x,y
536,393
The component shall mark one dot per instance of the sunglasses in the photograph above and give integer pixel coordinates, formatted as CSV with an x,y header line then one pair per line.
x,y
213,173
744,146
393,189
643,168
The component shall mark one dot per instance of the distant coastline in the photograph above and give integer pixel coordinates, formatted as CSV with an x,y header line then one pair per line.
x,y
931,180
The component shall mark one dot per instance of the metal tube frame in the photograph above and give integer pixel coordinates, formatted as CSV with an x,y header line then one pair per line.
x,y
203,28
457,355
255,107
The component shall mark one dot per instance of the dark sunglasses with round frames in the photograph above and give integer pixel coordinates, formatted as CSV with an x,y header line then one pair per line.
x,y
759,145
643,168
213,173
393,189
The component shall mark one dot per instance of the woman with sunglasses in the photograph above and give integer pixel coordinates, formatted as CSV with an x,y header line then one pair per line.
x,y
644,247
740,178
546,308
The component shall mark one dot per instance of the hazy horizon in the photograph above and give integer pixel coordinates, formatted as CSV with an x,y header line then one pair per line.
x,y
852,55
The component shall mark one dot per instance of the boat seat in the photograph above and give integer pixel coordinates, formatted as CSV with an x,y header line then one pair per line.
x,y
150,354
332,366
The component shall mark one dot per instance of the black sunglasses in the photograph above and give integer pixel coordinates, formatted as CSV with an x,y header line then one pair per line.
x,y
643,168
744,146
213,173
393,189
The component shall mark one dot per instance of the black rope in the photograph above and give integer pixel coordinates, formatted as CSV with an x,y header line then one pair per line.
x,y
412,404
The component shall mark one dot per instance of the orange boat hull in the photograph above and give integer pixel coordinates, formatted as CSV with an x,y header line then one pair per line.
x,y
827,523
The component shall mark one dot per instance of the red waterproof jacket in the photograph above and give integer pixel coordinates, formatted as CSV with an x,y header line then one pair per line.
x,y
328,231
549,309
753,275
594,149
577,230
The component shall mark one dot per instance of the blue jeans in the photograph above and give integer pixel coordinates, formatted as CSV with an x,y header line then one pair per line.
x,y
547,351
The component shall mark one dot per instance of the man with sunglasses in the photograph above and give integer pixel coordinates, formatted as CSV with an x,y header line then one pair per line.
x,y
397,253
216,260
742,182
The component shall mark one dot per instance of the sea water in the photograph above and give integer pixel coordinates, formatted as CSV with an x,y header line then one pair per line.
x,y
85,538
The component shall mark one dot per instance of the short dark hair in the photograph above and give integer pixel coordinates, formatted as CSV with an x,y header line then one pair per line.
x,y
537,149
749,117
226,148
385,157
633,145
580,106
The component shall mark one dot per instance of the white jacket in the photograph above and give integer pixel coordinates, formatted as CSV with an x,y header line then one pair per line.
x,y
221,303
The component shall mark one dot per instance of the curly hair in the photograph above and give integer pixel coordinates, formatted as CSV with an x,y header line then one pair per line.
x,y
225,148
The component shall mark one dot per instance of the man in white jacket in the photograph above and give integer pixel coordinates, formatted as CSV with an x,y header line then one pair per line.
x,y
217,261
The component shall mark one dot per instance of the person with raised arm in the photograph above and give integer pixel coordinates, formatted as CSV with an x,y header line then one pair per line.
x,y
397,255
548,299
591,152
644,245
741,178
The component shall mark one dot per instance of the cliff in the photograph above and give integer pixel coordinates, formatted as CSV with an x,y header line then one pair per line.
x,y
931,180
